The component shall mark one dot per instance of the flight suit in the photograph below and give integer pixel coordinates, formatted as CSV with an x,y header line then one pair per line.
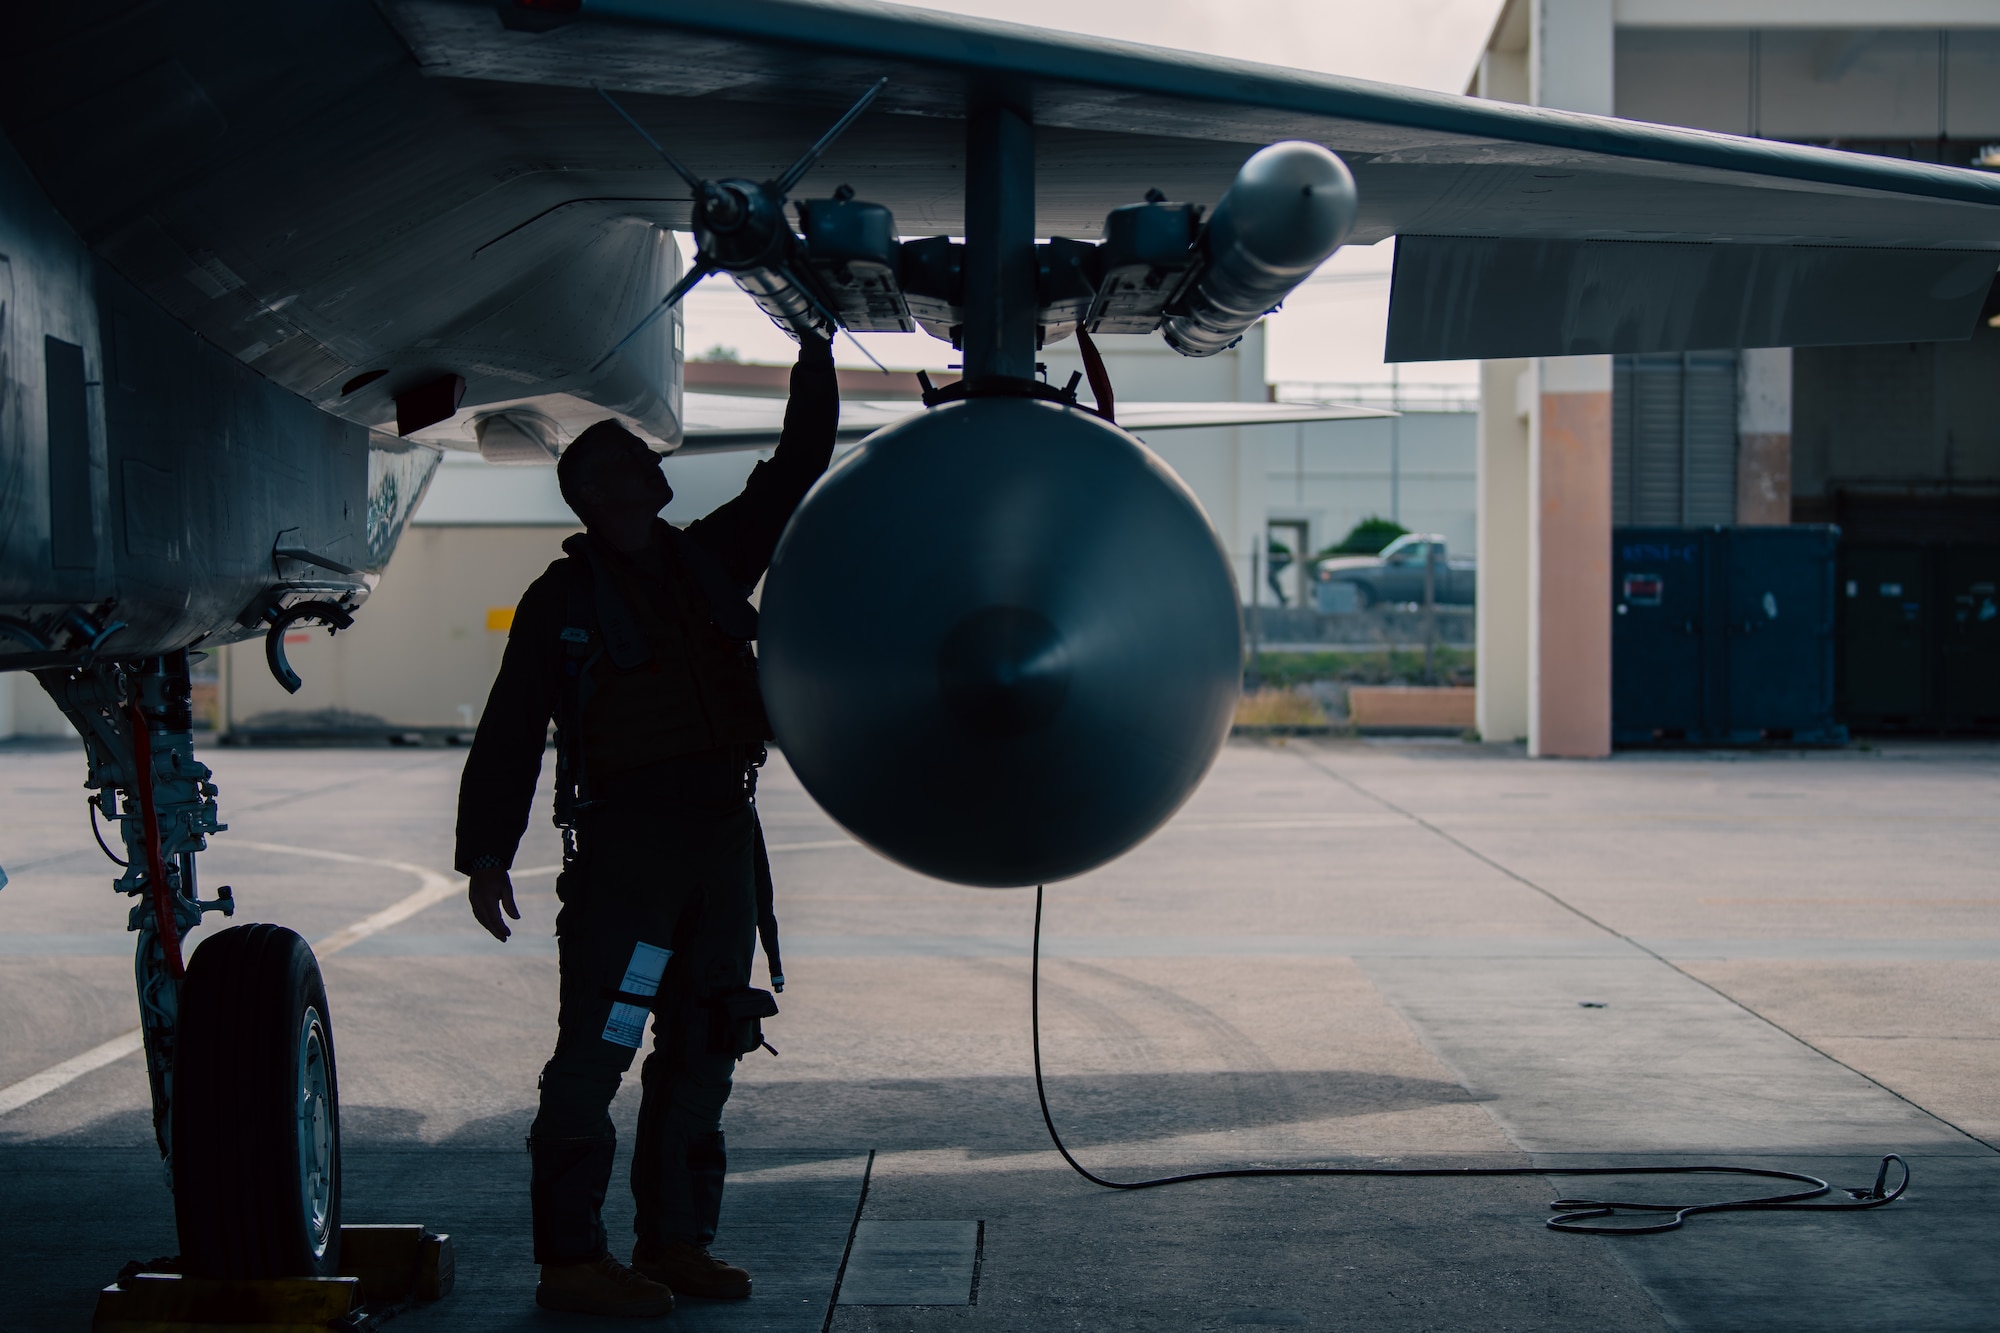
x,y
644,664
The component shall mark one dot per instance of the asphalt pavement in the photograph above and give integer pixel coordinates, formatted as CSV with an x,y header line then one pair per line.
x,y
1349,953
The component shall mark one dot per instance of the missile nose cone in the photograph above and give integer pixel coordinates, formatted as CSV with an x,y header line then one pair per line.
x,y
1291,206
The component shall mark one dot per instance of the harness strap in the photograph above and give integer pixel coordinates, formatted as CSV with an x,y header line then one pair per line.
x,y
767,910
625,643
728,601
580,645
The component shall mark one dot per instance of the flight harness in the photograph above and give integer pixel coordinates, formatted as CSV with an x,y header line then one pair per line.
x,y
597,623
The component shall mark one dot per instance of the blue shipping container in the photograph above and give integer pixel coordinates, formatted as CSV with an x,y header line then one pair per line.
x,y
1723,636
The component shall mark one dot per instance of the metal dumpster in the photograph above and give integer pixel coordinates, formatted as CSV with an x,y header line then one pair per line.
x,y
1723,636
1920,637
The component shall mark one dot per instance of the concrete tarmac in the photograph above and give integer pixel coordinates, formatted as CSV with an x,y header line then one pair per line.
x,y
1349,953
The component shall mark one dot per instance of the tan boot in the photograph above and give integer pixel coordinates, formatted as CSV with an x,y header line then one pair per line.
x,y
691,1270
602,1286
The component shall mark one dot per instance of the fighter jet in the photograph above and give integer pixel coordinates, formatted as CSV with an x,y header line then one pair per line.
x,y
249,250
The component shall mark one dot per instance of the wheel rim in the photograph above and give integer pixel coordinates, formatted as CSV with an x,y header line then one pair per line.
x,y
316,1146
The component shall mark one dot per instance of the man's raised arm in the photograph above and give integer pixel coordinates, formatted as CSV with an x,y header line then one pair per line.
x,y
744,532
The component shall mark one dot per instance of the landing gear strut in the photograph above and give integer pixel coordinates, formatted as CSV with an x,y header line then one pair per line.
x,y
239,1045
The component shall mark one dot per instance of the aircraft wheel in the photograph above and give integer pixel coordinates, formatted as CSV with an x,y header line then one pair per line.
x,y
256,1118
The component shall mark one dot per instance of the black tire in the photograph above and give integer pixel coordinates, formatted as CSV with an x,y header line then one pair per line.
x,y
1364,597
256,1111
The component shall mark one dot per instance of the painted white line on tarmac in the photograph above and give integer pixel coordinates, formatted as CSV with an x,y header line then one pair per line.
x,y
435,889
16,1095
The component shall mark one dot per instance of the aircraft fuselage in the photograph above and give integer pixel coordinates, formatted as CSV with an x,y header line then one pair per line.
x,y
147,477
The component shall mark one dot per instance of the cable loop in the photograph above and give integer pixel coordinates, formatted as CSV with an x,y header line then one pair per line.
x,y
1571,1214
98,834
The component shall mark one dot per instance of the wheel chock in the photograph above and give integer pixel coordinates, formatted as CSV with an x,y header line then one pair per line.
x,y
159,1302
397,1263
383,1270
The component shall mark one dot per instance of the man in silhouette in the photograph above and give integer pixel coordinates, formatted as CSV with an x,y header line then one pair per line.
x,y
637,645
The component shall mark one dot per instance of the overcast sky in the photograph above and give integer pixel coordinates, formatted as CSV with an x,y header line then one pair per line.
x,y
1332,328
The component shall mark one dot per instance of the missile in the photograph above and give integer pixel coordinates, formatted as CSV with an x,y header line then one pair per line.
x,y
1289,208
740,228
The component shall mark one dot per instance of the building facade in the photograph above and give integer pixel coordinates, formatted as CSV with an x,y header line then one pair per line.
x,y
1897,443
422,655
1304,486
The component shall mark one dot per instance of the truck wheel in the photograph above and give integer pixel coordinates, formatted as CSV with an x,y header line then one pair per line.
x,y
1364,597
256,1118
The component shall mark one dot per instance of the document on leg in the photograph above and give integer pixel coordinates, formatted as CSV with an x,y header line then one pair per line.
x,y
627,1024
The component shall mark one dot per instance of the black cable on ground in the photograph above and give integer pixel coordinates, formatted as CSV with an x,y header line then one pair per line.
x,y
1571,1214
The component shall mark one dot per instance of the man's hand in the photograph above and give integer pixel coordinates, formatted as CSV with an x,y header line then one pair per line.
x,y
490,891
814,350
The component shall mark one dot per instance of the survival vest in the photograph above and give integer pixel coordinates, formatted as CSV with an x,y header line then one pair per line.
x,y
650,674
662,669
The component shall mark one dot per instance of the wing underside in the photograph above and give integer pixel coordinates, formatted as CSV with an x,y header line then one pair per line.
x,y
725,423
360,201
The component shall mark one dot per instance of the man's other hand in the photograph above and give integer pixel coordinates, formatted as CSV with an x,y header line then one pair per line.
x,y
492,890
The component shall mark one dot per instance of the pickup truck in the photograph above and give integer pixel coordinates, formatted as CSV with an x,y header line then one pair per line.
x,y
1396,576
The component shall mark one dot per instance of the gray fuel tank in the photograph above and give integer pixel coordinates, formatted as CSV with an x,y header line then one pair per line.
x,y
1001,642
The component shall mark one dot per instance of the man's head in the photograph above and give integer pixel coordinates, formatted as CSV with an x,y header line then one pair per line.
x,y
609,474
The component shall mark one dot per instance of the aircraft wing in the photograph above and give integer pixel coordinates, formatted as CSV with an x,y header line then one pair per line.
x,y
359,200
749,80
720,423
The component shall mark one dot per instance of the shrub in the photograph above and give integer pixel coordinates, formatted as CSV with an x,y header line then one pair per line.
x,y
1279,708
1365,666
1368,537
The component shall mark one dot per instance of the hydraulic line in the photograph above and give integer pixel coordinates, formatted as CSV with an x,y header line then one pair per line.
x,y
157,886
98,834
1572,1215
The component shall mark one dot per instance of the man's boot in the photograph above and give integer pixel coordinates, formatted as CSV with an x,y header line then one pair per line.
x,y
602,1286
690,1270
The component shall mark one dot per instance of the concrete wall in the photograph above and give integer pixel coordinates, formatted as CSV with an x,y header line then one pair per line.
x,y
1545,449
1507,390
1223,467
1421,470
1897,415
1326,475
1816,82
1919,78
423,652
1764,436
469,491
27,710
1569,559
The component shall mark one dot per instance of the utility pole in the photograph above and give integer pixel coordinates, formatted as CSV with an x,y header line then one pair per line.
x,y
1396,444
1430,609
1251,677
